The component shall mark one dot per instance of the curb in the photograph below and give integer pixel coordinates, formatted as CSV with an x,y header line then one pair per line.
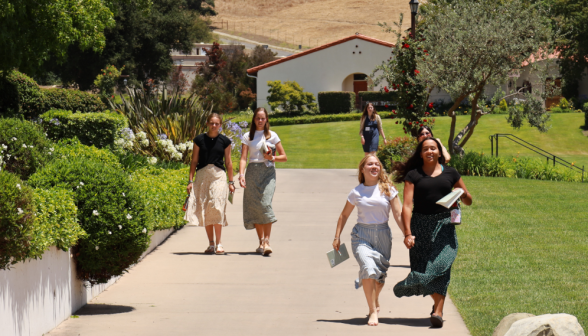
x,y
238,38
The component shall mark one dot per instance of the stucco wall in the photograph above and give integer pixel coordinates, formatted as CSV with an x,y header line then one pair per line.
x,y
37,295
324,70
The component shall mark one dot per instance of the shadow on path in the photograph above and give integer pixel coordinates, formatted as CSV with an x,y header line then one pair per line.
x,y
410,322
103,309
226,253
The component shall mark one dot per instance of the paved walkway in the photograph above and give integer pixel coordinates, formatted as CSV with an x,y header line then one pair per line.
x,y
177,290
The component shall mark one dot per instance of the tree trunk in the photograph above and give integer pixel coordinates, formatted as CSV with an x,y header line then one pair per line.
x,y
453,116
469,129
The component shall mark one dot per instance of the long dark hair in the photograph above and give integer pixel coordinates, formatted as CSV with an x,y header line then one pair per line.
x,y
415,161
266,127
365,112
422,128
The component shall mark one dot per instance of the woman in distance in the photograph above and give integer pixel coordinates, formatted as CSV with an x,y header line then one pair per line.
x,y
370,128
429,234
371,238
426,132
259,181
211,159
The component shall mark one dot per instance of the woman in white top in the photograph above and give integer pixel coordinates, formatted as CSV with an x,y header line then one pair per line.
x,y
371,238
259,181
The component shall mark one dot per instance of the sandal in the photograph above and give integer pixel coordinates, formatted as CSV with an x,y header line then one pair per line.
x,y
267,250
260,248
220,249
436,321
209,250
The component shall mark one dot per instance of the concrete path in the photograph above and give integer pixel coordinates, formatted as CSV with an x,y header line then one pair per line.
x,y
177,290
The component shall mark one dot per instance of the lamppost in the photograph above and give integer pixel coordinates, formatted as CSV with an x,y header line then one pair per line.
x,y
414,8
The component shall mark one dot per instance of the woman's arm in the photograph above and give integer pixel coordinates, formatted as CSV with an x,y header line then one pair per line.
x,y
243,164
445,152
407,214
381,130
341,224
466,197
361,123
281,157
193,165
229,165
397,212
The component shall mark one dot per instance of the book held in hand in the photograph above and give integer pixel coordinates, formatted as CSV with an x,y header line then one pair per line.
x,y
337,257
450,198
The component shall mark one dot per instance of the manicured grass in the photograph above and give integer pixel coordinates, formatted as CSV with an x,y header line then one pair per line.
x,y
337,145
522,248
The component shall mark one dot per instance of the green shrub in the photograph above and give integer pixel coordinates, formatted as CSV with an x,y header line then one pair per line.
x,y
564,104
110,211
98,129
332,102
399,149
323,118
377,96
163,191
73,148
16,220
72,100
23,147
289,97
585,109
56,222
19,95
106,81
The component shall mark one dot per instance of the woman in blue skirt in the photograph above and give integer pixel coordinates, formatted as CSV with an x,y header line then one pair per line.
x,y
370,129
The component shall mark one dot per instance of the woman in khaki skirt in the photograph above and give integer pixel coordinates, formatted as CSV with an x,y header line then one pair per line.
x,y
260,180
209,193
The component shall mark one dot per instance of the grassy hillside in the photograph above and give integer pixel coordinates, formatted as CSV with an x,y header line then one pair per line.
x,y
337,145
311,22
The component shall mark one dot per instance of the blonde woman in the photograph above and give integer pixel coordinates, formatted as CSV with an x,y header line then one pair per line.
x,y
371,238
211,159
259,181
370,128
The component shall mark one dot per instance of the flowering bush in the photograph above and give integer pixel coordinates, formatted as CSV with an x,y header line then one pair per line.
x,y
110,211
399,149
107,80
162,149
23,147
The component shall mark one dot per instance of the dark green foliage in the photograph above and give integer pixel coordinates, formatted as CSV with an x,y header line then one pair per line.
x,y
27,148
203,7
399,149
73,148
332,102
98,129
72,100
585,109
16,227
377,96
315,119
110,211
19,95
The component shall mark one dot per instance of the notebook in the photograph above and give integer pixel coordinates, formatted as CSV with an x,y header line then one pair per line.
x,y
450,198
335,258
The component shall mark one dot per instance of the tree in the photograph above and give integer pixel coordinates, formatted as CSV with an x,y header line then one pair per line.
x,y
140,41
204,7
290,96
472,44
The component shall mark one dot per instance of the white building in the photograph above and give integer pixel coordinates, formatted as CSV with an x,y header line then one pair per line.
x,y
342,65
190,62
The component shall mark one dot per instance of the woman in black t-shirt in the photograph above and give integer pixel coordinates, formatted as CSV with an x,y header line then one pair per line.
x,y
209,193
428,231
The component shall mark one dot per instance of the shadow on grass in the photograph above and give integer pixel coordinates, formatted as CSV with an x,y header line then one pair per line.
x,y
103,309
409,322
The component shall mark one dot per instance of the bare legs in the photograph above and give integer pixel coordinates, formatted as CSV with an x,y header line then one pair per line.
x,y
439,302
263,233
372,290
211,231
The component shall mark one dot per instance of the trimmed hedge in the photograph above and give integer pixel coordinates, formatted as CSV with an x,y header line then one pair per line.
x,y
377,96
23,146
110,211
332,102
72,100
98,129
19,95
72,148
314,119
585,109
163,191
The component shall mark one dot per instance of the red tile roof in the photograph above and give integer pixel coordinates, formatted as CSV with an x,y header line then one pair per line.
x,y
253,71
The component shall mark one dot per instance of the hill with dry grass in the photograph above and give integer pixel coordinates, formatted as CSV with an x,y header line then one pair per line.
x,y
308,22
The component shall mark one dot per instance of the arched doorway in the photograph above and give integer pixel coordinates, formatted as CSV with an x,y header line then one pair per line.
x,y
356,82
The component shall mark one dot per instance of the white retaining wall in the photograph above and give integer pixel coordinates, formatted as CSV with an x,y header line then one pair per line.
x,y
37,295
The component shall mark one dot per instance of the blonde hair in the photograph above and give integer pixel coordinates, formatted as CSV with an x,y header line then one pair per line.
x,y
384,182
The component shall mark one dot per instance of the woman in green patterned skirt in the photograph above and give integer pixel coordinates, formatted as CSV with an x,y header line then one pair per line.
x,y
429,234
264,148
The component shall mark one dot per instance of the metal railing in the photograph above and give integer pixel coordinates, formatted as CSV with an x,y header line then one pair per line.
x,y
550,157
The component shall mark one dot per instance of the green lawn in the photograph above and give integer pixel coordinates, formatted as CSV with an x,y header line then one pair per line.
x,y
523,247
337,145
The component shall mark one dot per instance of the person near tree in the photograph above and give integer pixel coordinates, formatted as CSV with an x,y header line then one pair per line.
x,y
371,238
370,128
428,231
426,132
211,161
259,181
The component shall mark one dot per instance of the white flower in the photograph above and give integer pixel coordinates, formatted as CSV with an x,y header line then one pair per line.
x,y
95,213
141,135
119,142
18,186
129,216
51,149
50,153
152,160
20,212
24,146
81,183
120,227
14,139
97,248
109,232
144,230
4,146
177,156
31,146
144,142
124,195
77,187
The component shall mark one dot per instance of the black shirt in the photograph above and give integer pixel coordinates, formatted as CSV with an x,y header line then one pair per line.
x,y
211,150
428,190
